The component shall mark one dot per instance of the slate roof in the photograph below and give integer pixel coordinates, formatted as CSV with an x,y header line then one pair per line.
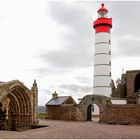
x,y
58,100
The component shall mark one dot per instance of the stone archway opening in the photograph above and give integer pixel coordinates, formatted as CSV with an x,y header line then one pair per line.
x,y
137,83
93,113
89,112
16,108
2,117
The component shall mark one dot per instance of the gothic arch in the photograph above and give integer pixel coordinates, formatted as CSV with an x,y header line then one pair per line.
x,y
100,100
18,106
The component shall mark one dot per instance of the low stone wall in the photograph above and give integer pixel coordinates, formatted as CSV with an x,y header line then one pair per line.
x,y
66,112
118,114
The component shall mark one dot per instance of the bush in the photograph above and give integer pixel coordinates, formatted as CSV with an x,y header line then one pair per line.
x,y
41,116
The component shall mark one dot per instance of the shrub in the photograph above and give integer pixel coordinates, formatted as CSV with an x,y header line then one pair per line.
x,y
41,116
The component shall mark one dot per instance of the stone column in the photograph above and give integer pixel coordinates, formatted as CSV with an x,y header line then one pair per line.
x,y
34,92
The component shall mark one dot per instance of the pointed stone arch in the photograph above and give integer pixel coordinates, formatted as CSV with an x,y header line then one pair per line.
x,y
17,105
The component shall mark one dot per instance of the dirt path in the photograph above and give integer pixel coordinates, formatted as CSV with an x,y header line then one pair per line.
x,y
76,130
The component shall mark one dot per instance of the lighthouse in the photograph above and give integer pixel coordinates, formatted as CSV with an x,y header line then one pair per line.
x,y
102,55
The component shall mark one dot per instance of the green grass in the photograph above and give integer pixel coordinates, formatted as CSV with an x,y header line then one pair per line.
x,y
41,116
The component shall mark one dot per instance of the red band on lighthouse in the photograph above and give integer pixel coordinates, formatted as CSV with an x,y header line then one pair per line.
x,y
102,25
102,29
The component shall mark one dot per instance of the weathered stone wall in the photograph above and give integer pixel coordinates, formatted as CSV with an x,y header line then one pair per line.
x,y
64,112
127,86
17,106
77,112
100,100
118,114
121,113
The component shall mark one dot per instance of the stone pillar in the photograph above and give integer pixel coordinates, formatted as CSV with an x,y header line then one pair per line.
x,y
130,86
131,99
34,98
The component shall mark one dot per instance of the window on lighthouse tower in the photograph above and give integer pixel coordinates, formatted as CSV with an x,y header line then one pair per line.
x,y
102,12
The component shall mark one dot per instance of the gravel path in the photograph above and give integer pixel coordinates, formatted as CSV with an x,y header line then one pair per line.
x,y
76,130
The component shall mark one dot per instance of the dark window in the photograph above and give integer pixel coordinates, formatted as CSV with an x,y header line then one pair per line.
x,y
137,85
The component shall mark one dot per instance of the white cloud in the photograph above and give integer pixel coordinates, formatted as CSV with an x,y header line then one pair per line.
x,y
53,42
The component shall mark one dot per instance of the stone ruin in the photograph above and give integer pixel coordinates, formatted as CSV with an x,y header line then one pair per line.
x,y
69,110
18,105
108,112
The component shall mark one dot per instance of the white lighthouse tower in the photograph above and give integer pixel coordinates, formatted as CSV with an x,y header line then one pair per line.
x,y
102,56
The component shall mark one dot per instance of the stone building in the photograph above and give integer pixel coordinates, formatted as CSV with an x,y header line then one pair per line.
x,y
63,108
60,107
18,105
128,87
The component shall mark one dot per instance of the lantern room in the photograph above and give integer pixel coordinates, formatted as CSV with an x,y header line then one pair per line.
x,y
103,23
102,12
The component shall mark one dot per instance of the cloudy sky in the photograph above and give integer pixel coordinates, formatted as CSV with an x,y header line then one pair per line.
x,y
53,42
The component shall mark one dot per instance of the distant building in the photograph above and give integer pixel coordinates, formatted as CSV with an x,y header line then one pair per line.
x,y
128,87
59,107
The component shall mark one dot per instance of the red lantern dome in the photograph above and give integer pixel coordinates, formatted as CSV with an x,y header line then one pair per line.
x,y
102,24
102,8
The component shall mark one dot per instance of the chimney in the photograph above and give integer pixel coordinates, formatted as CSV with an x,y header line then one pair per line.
x,y
54,95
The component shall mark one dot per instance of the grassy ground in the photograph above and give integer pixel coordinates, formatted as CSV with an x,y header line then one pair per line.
x,y
41,116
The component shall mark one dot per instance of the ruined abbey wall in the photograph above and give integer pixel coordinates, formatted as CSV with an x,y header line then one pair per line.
x,y
64,112
117,114
18,106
